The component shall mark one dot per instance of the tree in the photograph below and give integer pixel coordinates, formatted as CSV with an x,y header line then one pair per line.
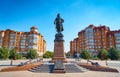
x,y
18,56
85,54
48,54
74,54
114,54
12,54
32,54
67,54
103,54
4,54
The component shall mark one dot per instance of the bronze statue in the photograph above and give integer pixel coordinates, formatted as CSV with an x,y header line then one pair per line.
x,y
58,23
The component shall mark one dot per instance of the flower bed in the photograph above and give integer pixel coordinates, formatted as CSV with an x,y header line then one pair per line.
x,y
98,68
21,68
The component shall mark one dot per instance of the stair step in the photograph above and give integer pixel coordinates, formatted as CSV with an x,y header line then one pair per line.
x,y
70,68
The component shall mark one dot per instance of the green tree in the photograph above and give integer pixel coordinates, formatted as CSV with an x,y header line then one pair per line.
x,y
114,54
48,54
12,54
74,54
18,56
103,54
4,54
67,54
32,54
85,54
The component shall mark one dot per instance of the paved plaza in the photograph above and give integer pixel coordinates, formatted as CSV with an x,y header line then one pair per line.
x,y
88,73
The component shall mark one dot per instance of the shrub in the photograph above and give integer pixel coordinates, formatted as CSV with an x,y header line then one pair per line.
x,y
12,54
4,54
18,56
85,54
103,54
114,54
32,54
48,54
91,57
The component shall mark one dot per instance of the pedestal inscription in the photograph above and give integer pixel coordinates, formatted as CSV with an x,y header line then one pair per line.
x,y
59,67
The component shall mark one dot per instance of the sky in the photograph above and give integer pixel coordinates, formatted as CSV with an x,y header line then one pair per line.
x,y
20,15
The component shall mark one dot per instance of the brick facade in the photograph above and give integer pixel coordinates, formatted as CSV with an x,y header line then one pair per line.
x,y
95,38
23,41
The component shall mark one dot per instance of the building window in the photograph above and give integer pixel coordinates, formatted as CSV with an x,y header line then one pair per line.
x,y
97,30
117,34
0,41
23,40
102,32
11,47
33,35
24,35
117,41
118,48
33,47
109,36
22,46
22,43
11,41
118,45
12,36
103,40
102,29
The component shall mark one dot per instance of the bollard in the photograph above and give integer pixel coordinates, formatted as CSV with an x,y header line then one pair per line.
x,y
11,62
106,62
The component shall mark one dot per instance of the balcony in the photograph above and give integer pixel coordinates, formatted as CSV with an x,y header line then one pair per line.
x,y
22,46
11,46
23,38
22,43
0,41
33,47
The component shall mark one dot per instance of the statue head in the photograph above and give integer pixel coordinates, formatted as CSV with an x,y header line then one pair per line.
x,y
58,15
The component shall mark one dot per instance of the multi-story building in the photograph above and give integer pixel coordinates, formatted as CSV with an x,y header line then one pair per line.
x,y
23,41
95,38
114,39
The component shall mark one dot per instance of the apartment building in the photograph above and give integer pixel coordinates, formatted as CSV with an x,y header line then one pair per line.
x,y
93,38
23,41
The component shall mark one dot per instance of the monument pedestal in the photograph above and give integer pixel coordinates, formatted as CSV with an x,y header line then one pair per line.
x,y
59,41
59,51
59,67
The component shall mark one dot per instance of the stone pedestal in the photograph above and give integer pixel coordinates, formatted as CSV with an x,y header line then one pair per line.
x,y
59,51
59,67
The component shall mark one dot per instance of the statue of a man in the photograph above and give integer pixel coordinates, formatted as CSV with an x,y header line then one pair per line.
x,y
58,23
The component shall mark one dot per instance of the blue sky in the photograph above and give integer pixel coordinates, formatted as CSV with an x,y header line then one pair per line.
x,y
20,15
